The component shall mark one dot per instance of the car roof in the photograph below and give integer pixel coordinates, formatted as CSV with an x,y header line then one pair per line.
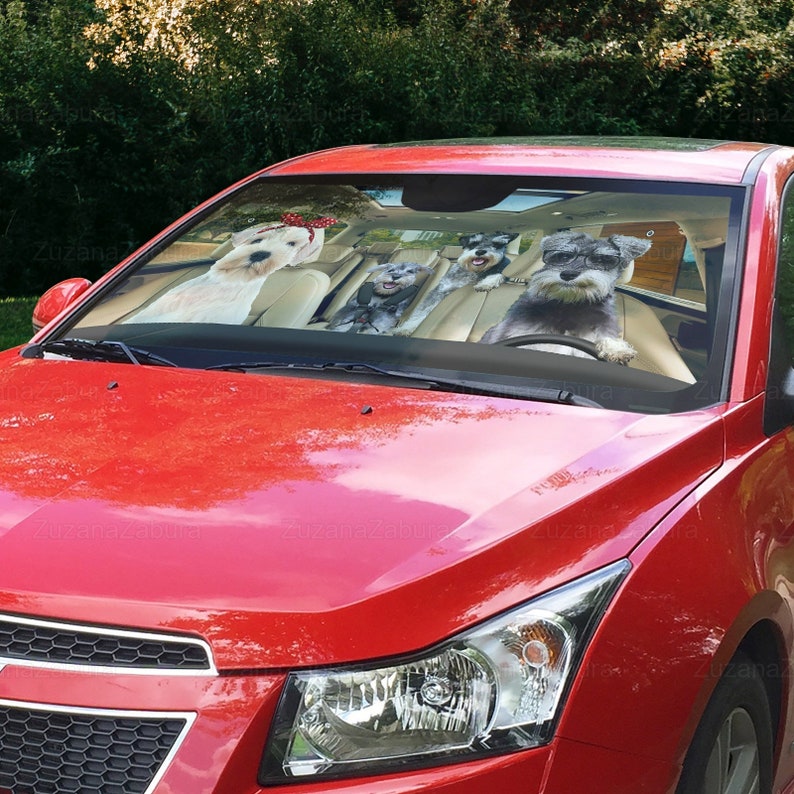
x,y
673,159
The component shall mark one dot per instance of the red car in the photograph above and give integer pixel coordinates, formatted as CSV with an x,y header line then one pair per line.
x,y
456,466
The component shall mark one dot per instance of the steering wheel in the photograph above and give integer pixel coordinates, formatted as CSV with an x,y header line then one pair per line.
x,y
554,339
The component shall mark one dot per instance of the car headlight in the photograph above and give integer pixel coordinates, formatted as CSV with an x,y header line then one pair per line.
x,y
495,688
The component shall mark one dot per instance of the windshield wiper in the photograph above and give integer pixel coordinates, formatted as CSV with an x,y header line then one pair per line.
x,y
421,380
93,350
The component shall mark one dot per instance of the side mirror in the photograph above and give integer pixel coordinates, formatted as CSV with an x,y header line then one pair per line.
x,y
56,299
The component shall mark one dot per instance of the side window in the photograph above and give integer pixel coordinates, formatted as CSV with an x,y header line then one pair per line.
x,y
669,268
785,269
779,411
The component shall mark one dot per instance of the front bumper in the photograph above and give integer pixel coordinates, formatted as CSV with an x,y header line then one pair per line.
x,y
45,745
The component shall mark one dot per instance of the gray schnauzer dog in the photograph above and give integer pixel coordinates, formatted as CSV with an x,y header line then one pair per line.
x,y
379,303
574,294
481,264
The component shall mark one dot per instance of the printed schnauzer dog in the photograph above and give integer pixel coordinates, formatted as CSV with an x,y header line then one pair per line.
x,y
379,303
574,294
480,264
224,293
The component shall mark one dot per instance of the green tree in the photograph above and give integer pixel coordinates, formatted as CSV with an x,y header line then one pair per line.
x,y
118,115
724,68
89,152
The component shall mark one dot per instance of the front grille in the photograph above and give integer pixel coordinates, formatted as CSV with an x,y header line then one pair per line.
x,y
40,642
49,750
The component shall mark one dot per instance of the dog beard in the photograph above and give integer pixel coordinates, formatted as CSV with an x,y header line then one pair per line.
x,y
479,264
592,286
390,286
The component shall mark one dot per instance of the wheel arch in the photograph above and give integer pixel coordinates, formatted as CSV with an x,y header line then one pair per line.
x,y
734,747
764,645
762,631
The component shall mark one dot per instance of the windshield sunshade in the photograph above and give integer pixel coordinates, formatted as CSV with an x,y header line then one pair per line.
x,y
613,291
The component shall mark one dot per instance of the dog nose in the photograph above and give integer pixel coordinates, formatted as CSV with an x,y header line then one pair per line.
x,y
259,256
568,275
481,252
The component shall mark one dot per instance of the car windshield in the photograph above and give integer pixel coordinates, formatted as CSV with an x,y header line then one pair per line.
x,y
618,292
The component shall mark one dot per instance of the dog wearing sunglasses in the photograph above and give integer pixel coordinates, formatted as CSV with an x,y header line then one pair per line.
x,y
574,294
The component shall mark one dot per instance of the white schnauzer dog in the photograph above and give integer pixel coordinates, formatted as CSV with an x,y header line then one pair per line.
x,y
379,303
574,294
224,293
481,264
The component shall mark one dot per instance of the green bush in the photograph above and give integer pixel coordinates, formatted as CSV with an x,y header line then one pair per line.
x,y
725,69
16,324
116,116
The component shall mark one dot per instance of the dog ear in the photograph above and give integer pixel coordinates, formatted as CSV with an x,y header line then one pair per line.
x,y
238,238
421,269
465,240
504,238
376,268
630,247
310,251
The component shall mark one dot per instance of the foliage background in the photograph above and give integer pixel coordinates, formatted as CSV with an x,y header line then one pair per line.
x,y
116,116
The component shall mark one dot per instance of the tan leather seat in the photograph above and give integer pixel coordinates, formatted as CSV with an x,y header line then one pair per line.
x,y
288,298
337,261
646,334
465,314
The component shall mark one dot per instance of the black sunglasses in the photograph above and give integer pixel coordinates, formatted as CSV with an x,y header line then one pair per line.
x,y
602,261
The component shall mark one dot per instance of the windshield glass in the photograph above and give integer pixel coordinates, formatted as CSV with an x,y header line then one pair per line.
x,y
615,291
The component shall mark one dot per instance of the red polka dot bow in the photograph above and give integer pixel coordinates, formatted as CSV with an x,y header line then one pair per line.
x,y
293,219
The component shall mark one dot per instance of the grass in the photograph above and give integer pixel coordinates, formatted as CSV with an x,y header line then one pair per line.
x,y
15,321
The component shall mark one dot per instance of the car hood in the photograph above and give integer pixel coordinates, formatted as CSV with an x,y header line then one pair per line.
x,y
290,519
